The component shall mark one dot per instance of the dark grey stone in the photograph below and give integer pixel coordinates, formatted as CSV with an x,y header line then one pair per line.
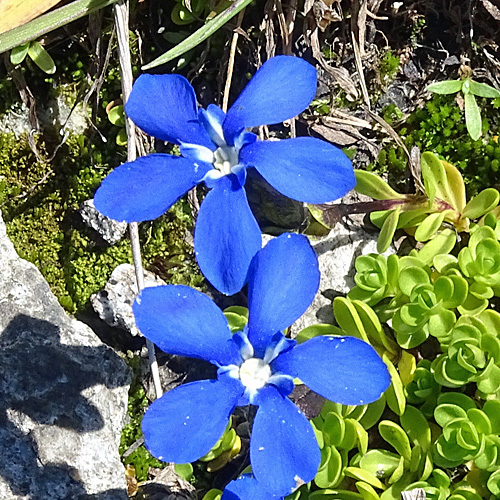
x,y
63,395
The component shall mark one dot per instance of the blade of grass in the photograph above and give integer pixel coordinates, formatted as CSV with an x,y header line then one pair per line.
x,y
200,35
49,22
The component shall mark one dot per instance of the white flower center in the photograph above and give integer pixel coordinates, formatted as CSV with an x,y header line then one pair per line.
x,y
254,373
225,158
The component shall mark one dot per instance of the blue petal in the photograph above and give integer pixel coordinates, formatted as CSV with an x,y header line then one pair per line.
x,y
345,370
226,236
247,487
164,106
281,89
187,421
284,452
183,321
283,281
212,119
305,169
147,187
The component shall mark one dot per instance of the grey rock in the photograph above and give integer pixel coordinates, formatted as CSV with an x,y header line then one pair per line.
x,y
114,303
63,395
337,253
110,230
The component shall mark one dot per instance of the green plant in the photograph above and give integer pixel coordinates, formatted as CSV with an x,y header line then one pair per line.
x,y
37,53
470,90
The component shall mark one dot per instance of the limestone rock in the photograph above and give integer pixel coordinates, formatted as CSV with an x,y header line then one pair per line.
x,y
114,303
110,230
337,253
63,395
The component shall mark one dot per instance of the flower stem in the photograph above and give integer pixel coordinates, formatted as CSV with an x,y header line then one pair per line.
x,y
121,13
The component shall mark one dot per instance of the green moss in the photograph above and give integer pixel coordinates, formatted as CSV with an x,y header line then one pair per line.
x,y
46,228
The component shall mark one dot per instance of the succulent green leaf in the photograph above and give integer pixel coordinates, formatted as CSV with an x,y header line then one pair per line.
x,y
364,475
411,277
388,229
374,186
315,330
480,420
19,53
481,204
213,494
362,437
41,58
494,483
330,472
373,413
333,429
446,87
116,116
394,395
350,435
396,437
492,410
417,427
184,470
472,117
429,226
328,494
237,318
348,319
367,491
398,473
456,398
440,245
200,35
380,463
483,90
445,413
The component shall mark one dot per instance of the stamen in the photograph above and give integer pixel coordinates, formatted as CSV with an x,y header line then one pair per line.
x,y
254,374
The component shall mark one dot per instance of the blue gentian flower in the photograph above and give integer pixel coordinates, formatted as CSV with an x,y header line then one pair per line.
x,y
216,149
255,366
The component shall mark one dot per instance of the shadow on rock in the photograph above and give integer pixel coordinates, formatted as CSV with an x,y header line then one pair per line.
x,y
41,400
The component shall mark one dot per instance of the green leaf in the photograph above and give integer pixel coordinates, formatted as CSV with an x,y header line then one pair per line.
x,y
417,427
483,90
200,35
492,410
394,395
367,491
121,137
396,437
184,470
19,53
373,413
348,318
315,330
380,463
364,475
442,243
388,229
446,87
481,204
49,22
428,227
494,483
42,58
472,117
116,116
212,494
411,277
330,473
375,187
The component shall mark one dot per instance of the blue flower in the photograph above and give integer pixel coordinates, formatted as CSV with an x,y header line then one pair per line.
x,y
255,366
216,149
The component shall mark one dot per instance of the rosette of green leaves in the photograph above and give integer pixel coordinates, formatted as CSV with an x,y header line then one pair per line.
x,y
468,433
423,389
480,262
376,278
473,354
429,310
423,215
